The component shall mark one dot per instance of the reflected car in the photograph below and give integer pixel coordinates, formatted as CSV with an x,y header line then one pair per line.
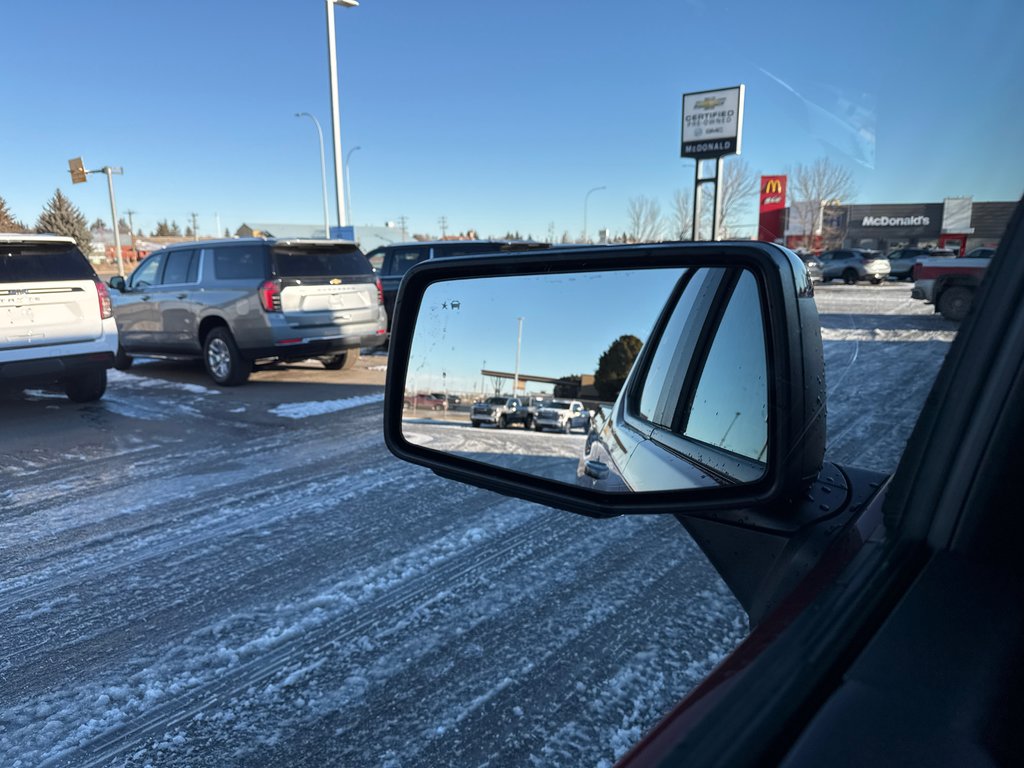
x,y
562,416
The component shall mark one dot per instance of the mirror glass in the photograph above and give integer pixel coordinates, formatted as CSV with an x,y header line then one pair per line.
x,y
530,373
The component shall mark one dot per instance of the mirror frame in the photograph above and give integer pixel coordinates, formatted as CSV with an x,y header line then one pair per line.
x,y
796,394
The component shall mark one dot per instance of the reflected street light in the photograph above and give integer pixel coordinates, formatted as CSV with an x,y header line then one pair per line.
x,y
323,170
348,186
332,61
586,199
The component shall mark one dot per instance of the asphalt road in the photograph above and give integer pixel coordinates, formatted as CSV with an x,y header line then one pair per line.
x,y
202,577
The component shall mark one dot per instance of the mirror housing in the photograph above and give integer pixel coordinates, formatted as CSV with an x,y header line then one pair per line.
x,y
796,391
117,283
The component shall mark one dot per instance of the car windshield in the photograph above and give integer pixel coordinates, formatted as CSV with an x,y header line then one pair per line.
x,y
217,561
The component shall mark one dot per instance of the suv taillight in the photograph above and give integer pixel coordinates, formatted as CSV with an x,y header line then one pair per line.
x,y
106,308
380,291
270,296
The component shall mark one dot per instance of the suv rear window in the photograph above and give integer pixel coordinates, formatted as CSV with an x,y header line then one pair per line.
x,y
239,262
31,262
320,262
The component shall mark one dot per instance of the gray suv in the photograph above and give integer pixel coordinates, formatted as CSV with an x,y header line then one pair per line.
x,y
242,302
853,265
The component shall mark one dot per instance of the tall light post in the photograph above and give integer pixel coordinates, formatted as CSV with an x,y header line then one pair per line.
x,y
519,347
332,62
348,185
323,170
586,199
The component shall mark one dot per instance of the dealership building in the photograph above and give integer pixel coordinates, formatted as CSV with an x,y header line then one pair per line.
x,y
958,223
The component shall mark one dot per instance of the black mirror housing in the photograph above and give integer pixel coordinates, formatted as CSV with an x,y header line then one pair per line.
x,y
796,390
117,283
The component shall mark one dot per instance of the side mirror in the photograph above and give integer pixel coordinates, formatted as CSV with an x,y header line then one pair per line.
x,y
117,283
701,366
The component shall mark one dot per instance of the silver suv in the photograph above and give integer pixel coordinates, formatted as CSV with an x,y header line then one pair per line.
x,y
239,303
56,323
853,265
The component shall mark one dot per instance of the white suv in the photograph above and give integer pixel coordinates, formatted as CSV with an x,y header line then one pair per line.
x,y
56,321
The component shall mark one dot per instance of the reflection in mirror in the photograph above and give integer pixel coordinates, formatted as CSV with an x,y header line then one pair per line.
x,y
526,373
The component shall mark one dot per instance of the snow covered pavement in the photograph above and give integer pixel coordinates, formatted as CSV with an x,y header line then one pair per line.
x,y
189,580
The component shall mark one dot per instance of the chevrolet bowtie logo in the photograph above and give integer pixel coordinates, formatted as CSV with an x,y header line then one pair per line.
x,y
710,102
335,281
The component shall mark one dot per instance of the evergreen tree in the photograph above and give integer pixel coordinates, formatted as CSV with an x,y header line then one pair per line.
x,y
7,221
97,226
175,229
163,229
614,365
62,217
188,231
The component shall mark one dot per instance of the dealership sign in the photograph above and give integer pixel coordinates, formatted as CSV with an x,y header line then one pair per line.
x,y
895,221
712,122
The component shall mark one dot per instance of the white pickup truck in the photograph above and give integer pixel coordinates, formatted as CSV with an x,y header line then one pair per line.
x,y
563,415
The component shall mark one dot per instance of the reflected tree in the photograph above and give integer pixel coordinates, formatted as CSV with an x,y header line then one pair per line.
x,y
614,366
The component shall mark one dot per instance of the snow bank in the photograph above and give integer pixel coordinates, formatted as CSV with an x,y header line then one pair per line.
x,y
320,407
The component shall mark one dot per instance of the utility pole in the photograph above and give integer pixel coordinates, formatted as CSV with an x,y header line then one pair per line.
x,y
403,222
443,222
519,346
79,175
216,230
195,230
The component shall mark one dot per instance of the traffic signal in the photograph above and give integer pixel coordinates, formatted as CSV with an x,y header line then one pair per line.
x,y
77,169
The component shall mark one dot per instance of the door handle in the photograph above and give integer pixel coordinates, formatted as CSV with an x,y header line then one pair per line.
x,y
145,298
182,295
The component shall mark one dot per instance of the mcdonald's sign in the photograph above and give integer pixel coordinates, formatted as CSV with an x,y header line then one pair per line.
x,y
773,193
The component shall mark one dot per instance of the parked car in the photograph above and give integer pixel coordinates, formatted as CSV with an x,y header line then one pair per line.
x,y
813,264
562,415
882,607
851,265
902,261
980,253
56,321
452,400
392,261
244,302
429,402
502,412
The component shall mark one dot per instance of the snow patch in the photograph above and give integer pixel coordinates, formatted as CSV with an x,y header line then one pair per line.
x,y
884,334
321,407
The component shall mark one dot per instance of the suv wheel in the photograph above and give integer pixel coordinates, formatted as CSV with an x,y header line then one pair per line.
x,y
502,422
87,386
567,427
850,276
345,361
222,359
122,360
955,302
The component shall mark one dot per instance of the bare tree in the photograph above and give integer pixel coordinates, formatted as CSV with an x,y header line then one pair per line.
x,y
645,222
739,190
682,214
814,188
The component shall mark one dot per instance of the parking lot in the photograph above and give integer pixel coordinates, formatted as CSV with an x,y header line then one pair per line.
x,y
196,575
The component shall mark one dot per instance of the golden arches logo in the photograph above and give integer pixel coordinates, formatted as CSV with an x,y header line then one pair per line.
x,y
773,187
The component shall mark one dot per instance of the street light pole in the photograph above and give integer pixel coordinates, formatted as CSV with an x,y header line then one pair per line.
x,y
323,170
332,61
348,185
519,346
586,199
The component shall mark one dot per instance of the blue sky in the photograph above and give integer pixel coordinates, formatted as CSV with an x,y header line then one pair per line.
x,y
567,325
498,116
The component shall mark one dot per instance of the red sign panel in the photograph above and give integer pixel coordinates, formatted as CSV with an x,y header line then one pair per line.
x,y
773,193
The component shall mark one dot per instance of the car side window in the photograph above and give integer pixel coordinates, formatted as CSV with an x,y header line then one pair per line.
x,y
400,260
730,405
665,376
376,258
239,262
148,272
178,268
